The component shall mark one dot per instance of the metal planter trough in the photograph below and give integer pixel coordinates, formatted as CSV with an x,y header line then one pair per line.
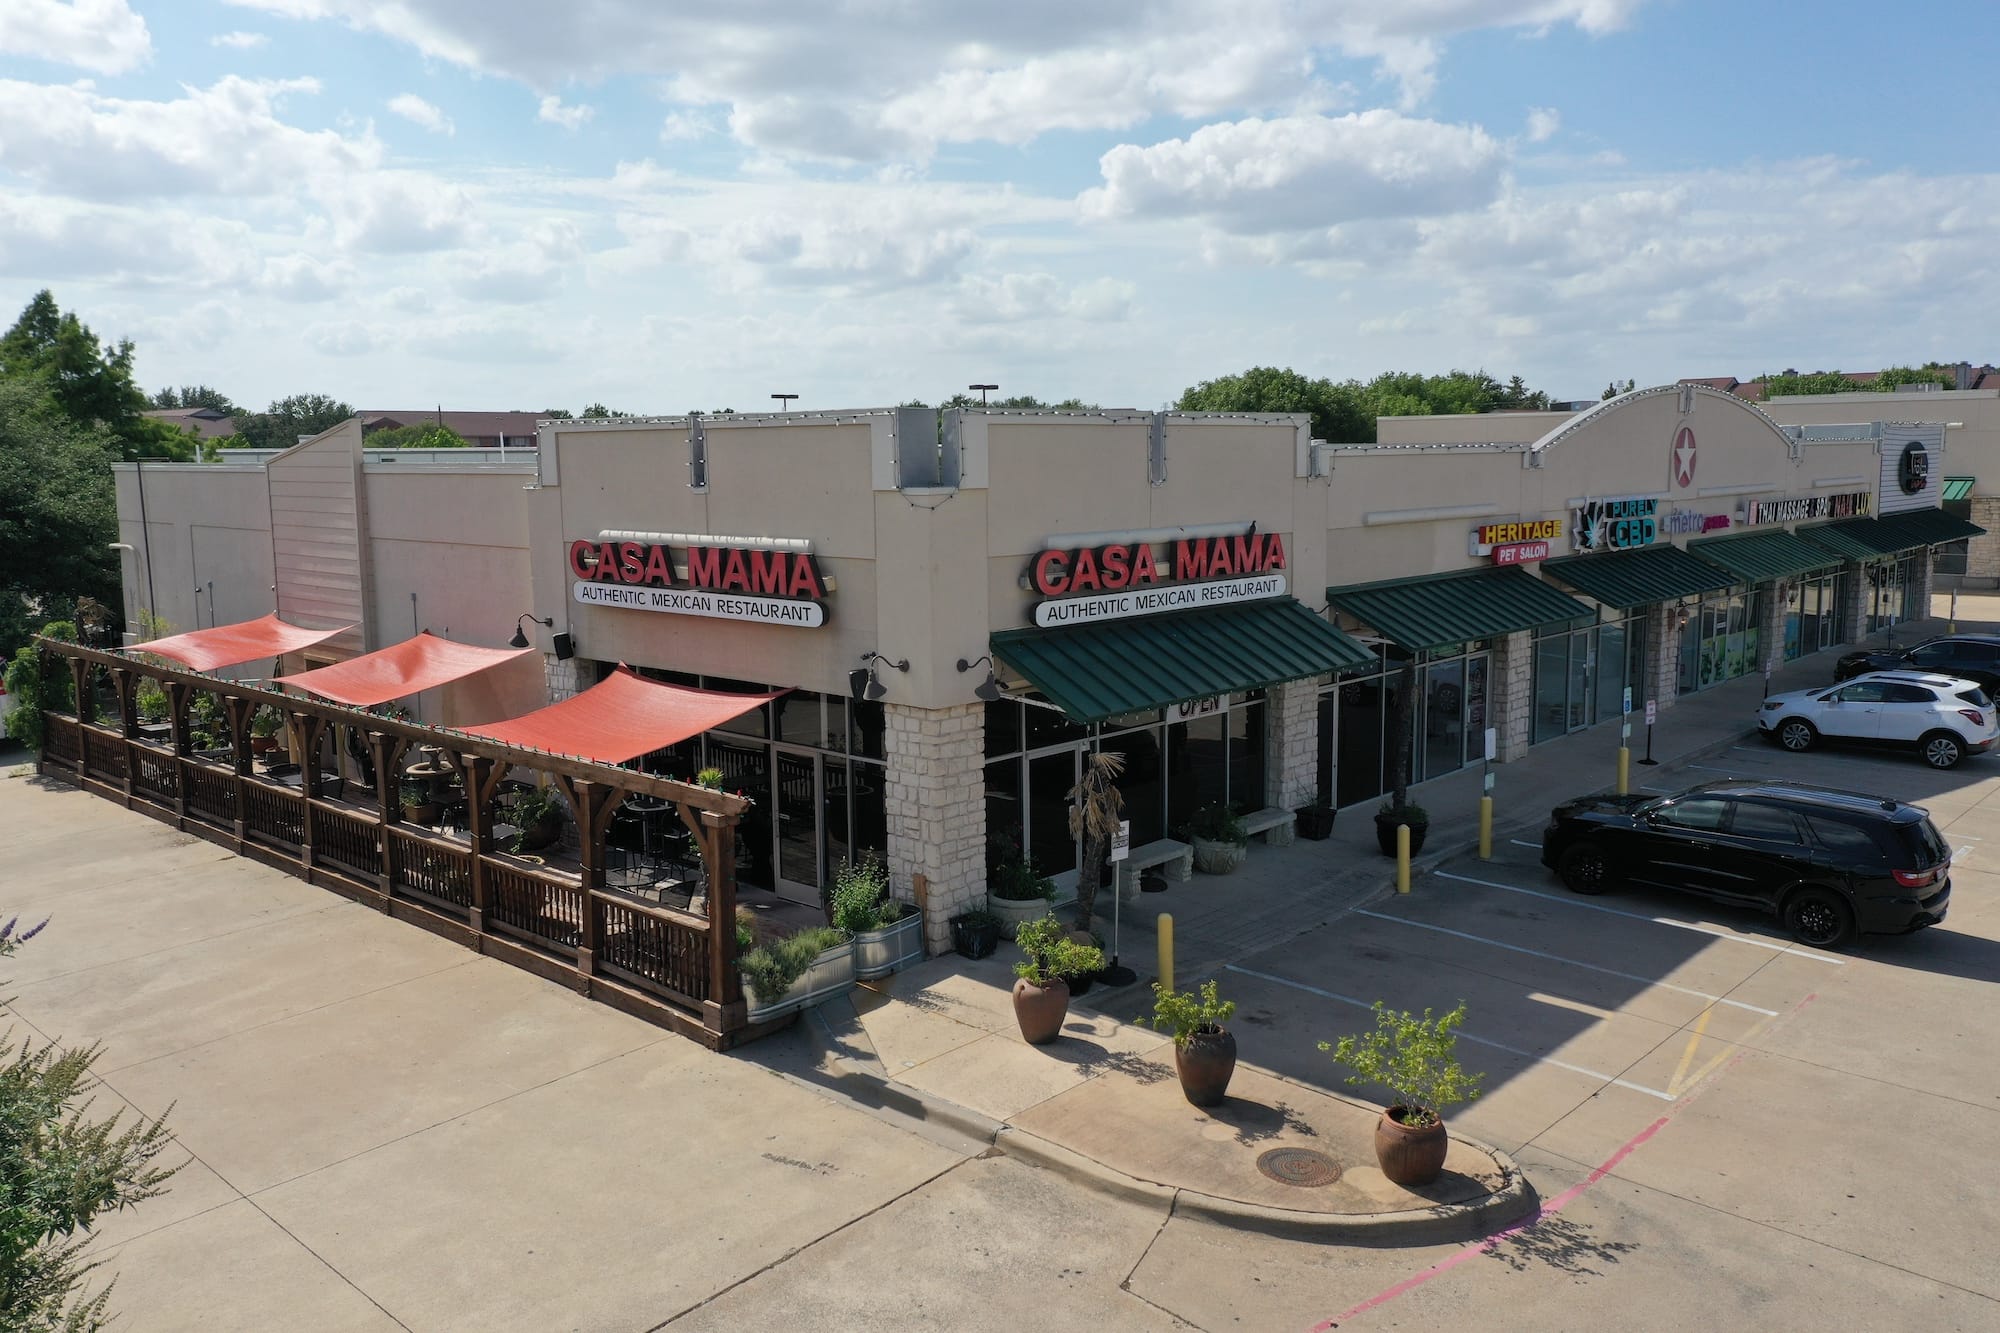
x,y
877,953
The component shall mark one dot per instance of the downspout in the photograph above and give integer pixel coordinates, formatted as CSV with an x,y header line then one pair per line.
x,y
139,472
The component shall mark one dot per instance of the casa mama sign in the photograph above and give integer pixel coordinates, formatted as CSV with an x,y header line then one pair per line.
x,y
773,586
1123,579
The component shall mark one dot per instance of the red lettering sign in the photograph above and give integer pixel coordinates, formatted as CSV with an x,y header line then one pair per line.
x,y
1058,572
752,570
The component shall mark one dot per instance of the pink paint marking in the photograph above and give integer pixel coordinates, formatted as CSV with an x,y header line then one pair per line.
x,y
1549,1209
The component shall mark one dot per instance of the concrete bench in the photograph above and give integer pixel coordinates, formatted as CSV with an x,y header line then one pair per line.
x,y
1176,860
1278,826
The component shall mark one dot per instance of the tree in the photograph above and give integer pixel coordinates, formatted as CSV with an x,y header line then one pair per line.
x,y
1518,396
557,414
1613,389
422,435
1094,807
1791,383
1337,411
600,411
58,1172
90,385
58,512
193,395
286,421
1897,377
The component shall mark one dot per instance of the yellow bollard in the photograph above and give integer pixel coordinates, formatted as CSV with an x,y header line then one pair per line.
x,y
1167,950
1402,858
1486,828
1624,770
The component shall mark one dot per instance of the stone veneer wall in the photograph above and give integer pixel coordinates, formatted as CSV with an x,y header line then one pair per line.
x,y
1771,626
1854,615
1291,744
1661,677
565,679
1982,554
1513,694
936,805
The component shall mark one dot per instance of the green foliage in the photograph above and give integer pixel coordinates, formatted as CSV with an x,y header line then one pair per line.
x,y
56,353
58,513
1051,955
413,793
1216,822
59,1171
711,778
422,435
1345,412
599,412
1792,384
859,899
152,703
193,395
535,807
1190,1013
1016,880
1900,377
1407,813
772,968
32,694
1613,389
1414,1058
287,420
1019,401
266,721
979,919
746,930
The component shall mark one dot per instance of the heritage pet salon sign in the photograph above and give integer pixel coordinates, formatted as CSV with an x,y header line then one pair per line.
x,y
774,587
1120,580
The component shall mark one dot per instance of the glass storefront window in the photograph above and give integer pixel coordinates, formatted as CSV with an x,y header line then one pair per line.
x,y
864,728
798,718
1444,717
1475,709
1143,783
1198,760
1005,827
1003,727
1051,726
1050,778
1246,754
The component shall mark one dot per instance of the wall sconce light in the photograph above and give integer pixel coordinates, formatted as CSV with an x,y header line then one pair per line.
x,y
987,690
1682,623
520,639
862,682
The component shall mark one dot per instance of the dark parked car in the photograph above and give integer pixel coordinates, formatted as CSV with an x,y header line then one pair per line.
x,y
1974,657
1827,863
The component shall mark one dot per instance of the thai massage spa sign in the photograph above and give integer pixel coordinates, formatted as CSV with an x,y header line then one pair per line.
x,y
770,585
1123,579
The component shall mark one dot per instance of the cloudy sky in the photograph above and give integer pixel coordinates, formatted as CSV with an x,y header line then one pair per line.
x,y
673,204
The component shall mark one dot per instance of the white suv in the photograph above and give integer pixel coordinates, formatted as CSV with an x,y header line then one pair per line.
x,y
1943,717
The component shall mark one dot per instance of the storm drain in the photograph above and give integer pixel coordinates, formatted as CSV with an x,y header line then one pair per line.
x,y
1299,1166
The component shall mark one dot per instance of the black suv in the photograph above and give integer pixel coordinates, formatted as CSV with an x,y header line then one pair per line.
x,y
1967,656
1827,863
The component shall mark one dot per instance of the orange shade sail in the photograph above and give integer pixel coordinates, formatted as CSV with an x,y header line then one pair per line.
x,y
409,667
229,645
622,717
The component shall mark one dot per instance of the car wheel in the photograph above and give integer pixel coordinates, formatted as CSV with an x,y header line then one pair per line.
x,y
1585,869
1797,735
1941,749
1818,917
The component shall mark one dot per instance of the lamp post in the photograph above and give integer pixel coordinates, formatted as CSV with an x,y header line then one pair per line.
x,y
784,401
983,388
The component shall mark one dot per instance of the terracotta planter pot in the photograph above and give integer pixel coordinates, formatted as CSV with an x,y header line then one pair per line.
x,y
263,744
1040,1010
420,814
1205,1065
1409,1156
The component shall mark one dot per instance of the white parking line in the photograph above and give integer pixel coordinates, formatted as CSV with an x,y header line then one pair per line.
x,y
1716,931
1496,1045
1733,772
1570,962
1523,842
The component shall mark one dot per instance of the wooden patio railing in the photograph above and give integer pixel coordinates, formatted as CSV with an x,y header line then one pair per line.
x,y
671,967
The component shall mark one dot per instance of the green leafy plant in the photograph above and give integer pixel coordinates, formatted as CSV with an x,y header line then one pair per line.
x,y
266,722
979,919
58,1172
772,968
1190,1014
32,696
746,930
413,794
1051,955
711,778
150,700
1017,881
860,897
1414,1058
1410,814
1216,822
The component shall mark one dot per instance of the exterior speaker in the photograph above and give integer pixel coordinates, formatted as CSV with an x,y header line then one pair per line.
x,y
565,647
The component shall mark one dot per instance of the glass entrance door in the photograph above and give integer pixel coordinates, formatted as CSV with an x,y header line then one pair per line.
x,y
797,803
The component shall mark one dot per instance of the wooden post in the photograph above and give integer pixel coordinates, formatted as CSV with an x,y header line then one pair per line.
x,y
128,727
239,753
86,698
177,700
388,801
309,725
724,1009
594,801
478,831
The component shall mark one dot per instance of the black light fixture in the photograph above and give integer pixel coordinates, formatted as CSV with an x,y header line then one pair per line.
x,y
862,683
520,639
984,389
988,690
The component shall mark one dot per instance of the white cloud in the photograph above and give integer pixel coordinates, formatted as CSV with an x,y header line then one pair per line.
x,y
1017,297
569,117
399,213
100,35
1299,172
421,113
681,126
1543,122
239,41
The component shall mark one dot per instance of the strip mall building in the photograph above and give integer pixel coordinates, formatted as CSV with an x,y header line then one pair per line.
x,y
1219,598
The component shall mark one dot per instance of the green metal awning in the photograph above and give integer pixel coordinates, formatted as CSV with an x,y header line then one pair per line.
x,y
1438,609
1761,556
1958,488
1852,538
1097,670
1929,527
1625,579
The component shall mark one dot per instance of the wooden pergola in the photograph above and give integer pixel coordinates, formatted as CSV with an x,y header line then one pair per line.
x,y
675,968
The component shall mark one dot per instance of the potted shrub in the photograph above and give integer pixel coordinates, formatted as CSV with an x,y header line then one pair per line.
x,y
803,969
1204,1050
975,934
418,805
710,778
1390,815
1416,1060
150,702
1314,821
265,724
888,933
537,818
1041,996
1220,844
1080,981
1018,893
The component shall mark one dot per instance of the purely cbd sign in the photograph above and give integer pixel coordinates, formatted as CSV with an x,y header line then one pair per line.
x,y
1615,525
777,587
1123,579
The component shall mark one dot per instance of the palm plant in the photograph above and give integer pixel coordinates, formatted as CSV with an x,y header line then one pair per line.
x,y
1094,809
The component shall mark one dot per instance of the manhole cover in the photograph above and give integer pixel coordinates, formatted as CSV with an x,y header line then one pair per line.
x,y
1299,1166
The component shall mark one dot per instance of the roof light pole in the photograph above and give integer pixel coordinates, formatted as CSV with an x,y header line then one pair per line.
x,y
983,388
784,401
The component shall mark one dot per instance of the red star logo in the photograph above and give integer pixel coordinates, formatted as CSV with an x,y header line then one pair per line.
x,y
1684,452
